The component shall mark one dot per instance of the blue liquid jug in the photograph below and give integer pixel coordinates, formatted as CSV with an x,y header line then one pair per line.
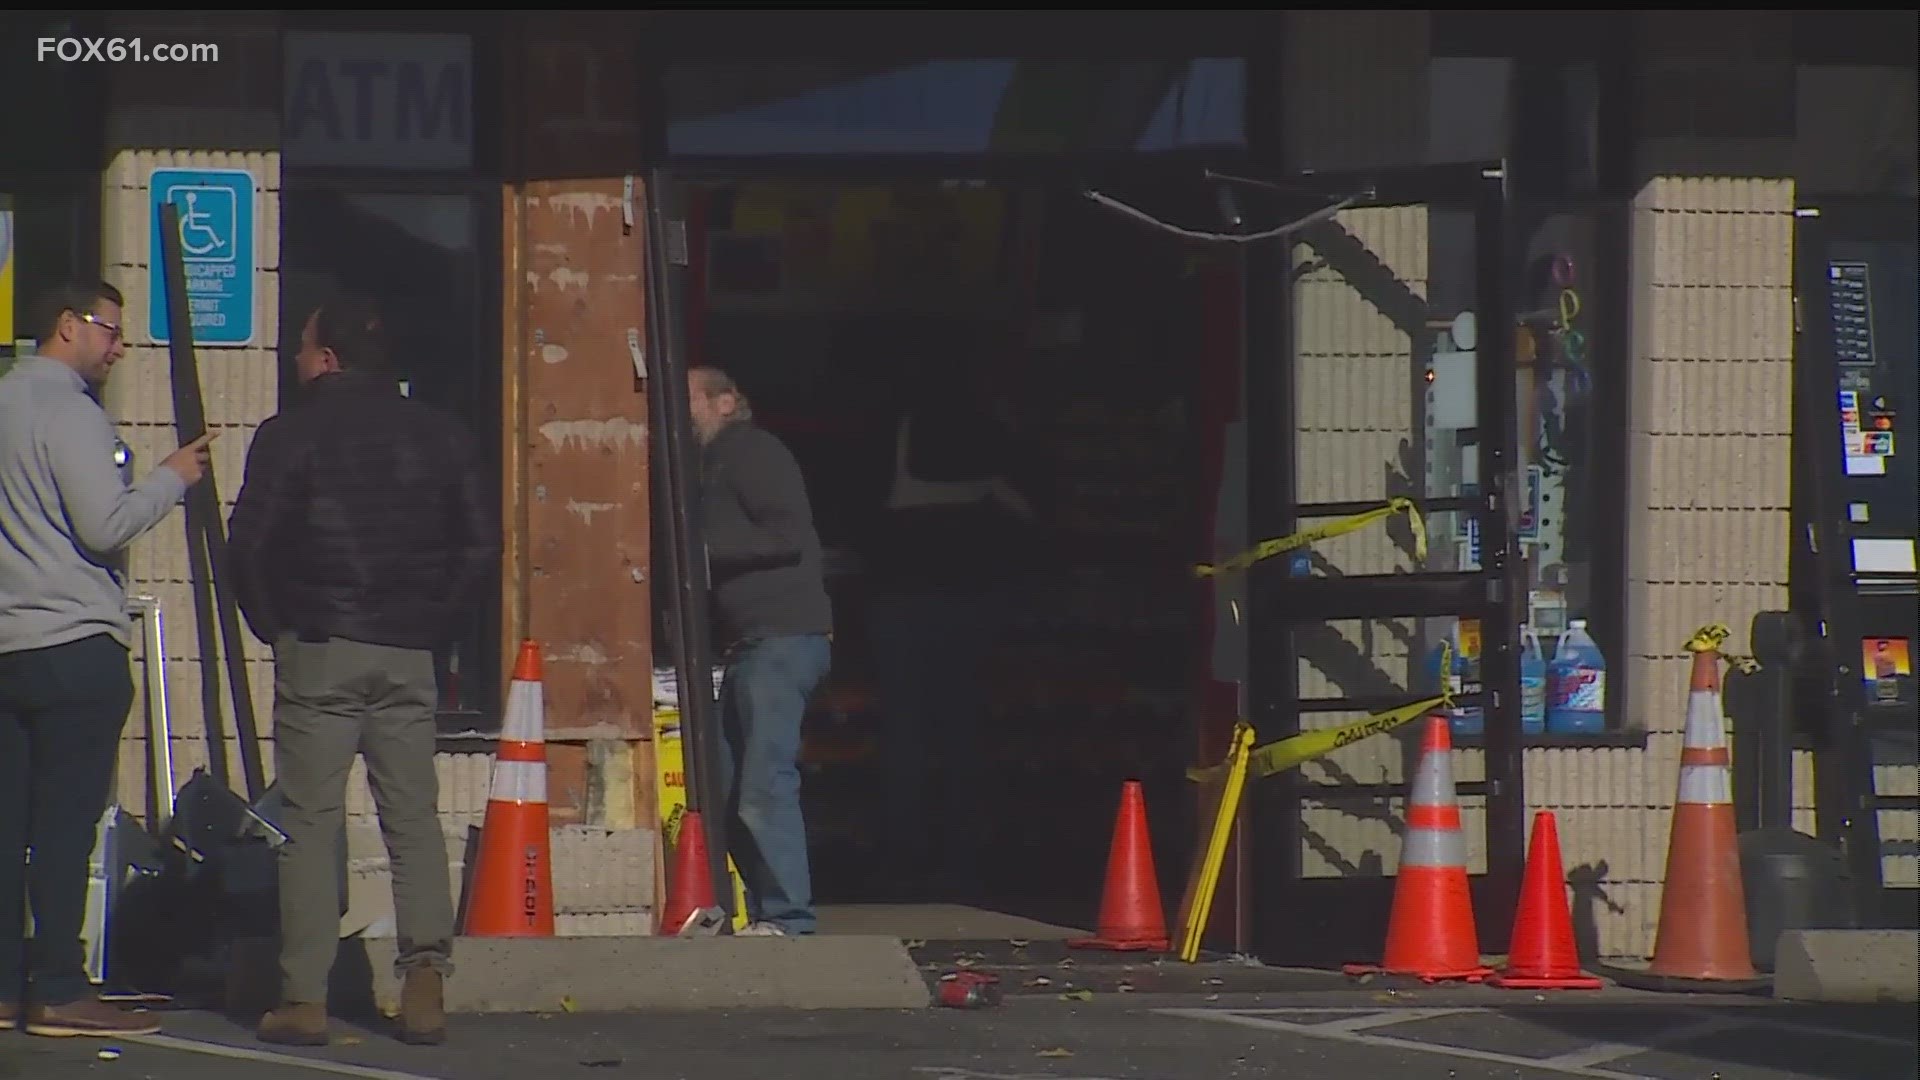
x,y
1533,683
1577,684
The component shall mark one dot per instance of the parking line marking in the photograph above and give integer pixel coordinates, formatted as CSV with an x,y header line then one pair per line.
x,y
241,1053
1390,1042
1826,1032
1388,1018
1601,1053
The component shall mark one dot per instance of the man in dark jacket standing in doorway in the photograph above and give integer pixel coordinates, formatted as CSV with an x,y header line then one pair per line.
x,y
776,625
358,539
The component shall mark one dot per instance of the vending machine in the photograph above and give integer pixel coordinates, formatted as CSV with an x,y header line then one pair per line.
x,y
1856,524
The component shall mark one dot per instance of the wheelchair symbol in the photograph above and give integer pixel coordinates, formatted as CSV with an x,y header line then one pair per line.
x,y
207,221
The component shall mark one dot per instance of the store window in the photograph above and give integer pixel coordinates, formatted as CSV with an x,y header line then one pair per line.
x,y
955,107
45,240
430,281
1567,246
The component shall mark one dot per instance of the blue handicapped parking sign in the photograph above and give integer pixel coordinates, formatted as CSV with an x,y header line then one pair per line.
x,y
216,247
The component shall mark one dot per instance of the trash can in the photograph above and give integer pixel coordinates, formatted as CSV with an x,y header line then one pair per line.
x,y
1792,882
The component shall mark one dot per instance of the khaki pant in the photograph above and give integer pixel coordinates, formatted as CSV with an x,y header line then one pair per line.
x,y
333,700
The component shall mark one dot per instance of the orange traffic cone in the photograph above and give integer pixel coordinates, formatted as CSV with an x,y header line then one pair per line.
x,y
690,903
1703,911
1543,956
513,874
1431,932
1131,918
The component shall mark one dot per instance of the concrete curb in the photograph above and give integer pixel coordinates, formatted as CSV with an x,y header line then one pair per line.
x,y
612,974
1855,967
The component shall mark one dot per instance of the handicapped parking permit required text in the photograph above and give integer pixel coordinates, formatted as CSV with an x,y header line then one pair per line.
x,y
213,280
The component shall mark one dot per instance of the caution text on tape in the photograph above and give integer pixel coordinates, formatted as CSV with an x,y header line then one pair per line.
x,y
1297,750
1267,549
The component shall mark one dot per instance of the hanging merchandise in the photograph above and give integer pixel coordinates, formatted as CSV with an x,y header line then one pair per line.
x,y
1460,653
1577,684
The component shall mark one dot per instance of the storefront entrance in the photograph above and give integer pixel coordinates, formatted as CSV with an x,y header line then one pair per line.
x,y
1370,382
970,748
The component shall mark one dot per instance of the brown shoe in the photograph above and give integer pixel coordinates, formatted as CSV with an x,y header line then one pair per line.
x,y
9,1017
295,1024
88,1016
423,1011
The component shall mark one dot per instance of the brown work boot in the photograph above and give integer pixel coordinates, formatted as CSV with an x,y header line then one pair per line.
x,y
423,1011
295,1024
88,1016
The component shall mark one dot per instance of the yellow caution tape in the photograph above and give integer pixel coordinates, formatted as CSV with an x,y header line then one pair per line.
x,y
1267,549
1296,750
1203,877
1711,637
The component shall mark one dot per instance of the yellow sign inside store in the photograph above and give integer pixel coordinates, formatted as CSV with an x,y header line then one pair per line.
x,y
670,762
7,246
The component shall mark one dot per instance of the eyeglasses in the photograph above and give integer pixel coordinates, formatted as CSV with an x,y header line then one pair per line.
x,y
111,328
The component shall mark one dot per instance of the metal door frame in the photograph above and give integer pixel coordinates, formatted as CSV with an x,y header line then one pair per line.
x,y
1282,906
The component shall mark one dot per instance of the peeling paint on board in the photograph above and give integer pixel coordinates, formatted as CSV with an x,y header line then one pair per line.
x,y
585,510
582,653
553,354
591,434
570,279
589,203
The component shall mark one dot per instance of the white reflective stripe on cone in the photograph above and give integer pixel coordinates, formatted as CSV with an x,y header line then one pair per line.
x,y
519,782
526,704
1433,782
1706,785
1706,724
1443,848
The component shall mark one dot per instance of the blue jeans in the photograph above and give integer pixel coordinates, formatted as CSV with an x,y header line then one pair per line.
x,y
763,699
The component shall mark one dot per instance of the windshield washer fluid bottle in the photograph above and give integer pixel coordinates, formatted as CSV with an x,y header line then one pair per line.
x,y
1577,684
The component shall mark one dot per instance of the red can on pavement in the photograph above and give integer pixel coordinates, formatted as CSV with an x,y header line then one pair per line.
x,y
969,990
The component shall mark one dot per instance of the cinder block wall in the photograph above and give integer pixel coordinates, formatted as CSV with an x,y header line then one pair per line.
x,y
215,115
1710,436
225,115
1711,369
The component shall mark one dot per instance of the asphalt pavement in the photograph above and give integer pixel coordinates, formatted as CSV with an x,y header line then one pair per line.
x,y
1457,1034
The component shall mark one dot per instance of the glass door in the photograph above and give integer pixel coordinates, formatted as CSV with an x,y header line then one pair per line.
x,y
1384,377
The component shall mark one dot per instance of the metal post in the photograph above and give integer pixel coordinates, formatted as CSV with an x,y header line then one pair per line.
x,y
160,793
1498,480
666,258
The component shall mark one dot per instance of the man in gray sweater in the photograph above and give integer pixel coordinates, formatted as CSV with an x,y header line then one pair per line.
x,y
67,515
